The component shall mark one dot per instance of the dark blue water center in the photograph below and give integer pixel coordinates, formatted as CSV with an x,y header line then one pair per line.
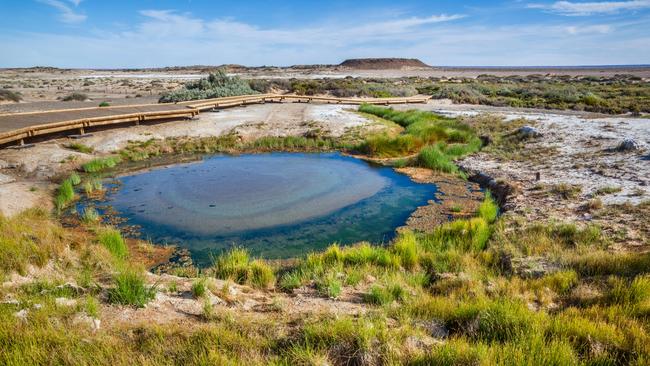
x,y
276,205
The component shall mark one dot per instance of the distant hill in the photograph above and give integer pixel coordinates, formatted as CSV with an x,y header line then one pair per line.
x,y
383,63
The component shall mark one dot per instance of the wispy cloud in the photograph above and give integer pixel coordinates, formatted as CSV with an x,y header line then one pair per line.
x,y
66,13
589,29
165,23
591,8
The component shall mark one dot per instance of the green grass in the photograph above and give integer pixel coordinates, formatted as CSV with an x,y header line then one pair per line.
x,y
30,237
112,240
383,295
130,288
104,104
436,140
199,288
65,193
80,147
602,263
488,210
433,158
607,190
90,216
329,286
100,164
237,265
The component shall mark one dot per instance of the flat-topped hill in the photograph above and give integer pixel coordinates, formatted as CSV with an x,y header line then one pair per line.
x,y
383,63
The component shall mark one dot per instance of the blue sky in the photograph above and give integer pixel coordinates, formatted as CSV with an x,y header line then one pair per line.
x,y
147,33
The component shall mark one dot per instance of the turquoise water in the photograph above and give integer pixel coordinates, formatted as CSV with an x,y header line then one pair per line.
x,y
277,205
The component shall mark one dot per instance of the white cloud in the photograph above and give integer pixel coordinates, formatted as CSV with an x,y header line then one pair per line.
x,y
165,23
66,13
592,8
596,28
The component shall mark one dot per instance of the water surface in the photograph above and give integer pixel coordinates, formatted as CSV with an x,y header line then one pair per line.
x,y
277,205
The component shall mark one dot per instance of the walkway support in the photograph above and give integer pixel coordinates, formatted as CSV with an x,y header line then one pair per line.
x,y
16,127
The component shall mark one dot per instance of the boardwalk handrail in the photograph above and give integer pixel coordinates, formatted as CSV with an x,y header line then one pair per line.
x,y
186,109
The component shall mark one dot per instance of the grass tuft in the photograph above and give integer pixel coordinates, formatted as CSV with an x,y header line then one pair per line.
x,y
112,240
237,265
131,289
100,164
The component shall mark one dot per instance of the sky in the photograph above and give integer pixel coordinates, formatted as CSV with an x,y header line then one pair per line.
x,y
147,33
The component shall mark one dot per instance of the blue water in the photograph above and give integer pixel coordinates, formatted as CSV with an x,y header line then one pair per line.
x,y
277,205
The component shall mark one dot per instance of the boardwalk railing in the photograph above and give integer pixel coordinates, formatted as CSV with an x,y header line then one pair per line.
x,y
31,124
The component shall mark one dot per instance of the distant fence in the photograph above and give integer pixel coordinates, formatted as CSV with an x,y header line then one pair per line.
x,y
16,127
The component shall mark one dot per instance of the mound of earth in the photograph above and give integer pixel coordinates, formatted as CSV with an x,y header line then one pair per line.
x,y
383,63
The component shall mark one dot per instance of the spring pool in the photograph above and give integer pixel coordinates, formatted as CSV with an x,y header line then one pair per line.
x,y
277,205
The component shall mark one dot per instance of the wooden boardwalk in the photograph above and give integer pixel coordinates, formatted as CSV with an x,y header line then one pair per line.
x,y
15,128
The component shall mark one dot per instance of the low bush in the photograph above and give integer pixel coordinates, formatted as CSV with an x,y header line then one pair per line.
x,y
11,96
78,97
216,85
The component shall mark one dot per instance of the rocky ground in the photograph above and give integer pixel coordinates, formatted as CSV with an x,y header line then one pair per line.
x,y
591,169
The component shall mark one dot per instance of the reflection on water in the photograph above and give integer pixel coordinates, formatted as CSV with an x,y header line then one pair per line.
x,y
277,205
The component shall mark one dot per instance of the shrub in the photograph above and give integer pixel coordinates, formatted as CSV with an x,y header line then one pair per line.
x,y
216,85
79,97
130,289
10,95
104,104
112,240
